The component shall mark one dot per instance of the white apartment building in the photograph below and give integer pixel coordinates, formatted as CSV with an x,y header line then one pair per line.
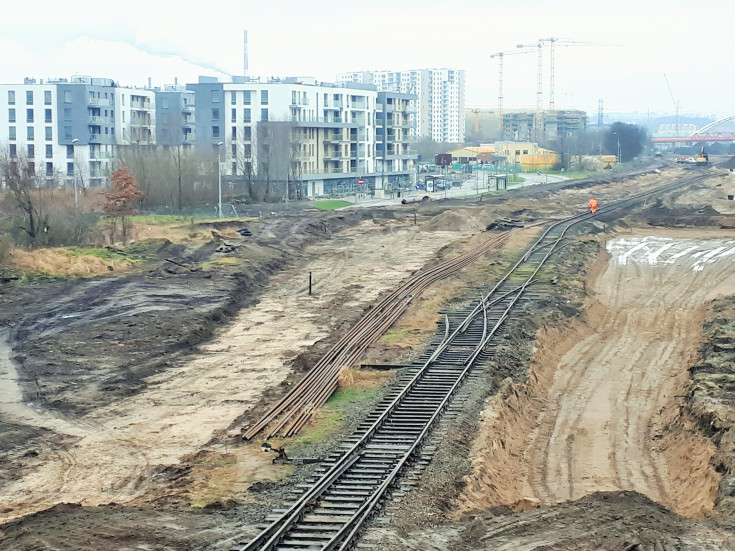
x,y
440,98
330,129
69,129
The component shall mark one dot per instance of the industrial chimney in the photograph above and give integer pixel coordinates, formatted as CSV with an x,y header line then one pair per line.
x,y
246,72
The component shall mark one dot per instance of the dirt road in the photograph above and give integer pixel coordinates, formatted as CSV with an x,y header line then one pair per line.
x,y
607,405
119,445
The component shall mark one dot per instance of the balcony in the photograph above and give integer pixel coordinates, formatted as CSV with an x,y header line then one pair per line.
x,y
96,120
98,102
144,105
187,109
333,155
95,138
99,154
189,137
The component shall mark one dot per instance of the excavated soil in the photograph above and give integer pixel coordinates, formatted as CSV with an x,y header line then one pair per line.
x,y
125,394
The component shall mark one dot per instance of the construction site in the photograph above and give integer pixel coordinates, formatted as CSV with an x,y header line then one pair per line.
x,y
501,371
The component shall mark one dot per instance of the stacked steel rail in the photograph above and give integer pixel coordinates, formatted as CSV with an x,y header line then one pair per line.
x,y
330,514
294,410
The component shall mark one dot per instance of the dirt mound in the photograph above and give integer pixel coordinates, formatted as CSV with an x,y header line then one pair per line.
x,y
456,220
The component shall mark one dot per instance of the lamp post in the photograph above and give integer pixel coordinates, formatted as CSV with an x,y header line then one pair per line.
x,y
74,158
219,178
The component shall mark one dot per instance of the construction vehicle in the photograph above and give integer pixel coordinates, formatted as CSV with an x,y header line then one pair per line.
x,y
702,159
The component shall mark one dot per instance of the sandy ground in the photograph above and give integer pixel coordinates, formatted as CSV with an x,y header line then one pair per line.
x,y
181,410
600,409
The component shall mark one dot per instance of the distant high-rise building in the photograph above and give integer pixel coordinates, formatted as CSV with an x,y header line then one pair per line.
x,y
440,113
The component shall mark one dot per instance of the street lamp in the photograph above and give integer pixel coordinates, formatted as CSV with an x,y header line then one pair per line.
x,y
219,177
74,159
618,137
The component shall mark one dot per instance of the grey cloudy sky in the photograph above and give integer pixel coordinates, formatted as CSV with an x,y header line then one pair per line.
x,y
162,39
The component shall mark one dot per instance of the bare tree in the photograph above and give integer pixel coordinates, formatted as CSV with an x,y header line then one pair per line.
x,y
19,176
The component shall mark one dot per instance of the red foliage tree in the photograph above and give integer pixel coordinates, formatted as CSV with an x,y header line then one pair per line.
x,y
120,201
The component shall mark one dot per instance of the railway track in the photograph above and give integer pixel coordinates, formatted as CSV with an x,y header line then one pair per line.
x,y
294,410
351,483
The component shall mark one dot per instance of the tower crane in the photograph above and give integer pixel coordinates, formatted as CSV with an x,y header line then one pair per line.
x,y
500,56
551,41
675,102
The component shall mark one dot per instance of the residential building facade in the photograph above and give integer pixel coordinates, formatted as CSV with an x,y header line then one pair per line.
x,y
440,104
521,125
325,131
317,136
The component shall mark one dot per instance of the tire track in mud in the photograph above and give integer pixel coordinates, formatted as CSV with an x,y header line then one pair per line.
x,y
595,430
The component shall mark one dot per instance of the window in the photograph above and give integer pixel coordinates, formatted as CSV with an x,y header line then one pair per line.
x,y
525,151
164,103
215,96
47,97
246,96
11,97
31,151
233,116
49,169
67,96
11,132
49,151
233,98
70,169
264,114
123,99
47,115
11,114
215,131
69,151
67,113
247,133
264,97
215,114
234,132
29,115
29,97
234,150
30,134
67,132
246,114
13,151
234,168
31,168
48,133
247,150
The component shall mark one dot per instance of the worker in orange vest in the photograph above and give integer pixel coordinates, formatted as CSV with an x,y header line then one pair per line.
x,y
593,205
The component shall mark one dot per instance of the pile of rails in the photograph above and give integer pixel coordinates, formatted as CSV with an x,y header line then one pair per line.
x,y
295,409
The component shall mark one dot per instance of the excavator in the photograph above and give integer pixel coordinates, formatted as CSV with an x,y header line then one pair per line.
x,y
702,159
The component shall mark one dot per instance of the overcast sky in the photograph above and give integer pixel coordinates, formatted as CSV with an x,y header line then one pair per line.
x,y
639,42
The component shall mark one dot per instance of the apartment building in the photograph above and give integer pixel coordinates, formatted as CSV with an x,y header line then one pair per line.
x,y
174,116
326,132
521,125
69,129
440,99
324,136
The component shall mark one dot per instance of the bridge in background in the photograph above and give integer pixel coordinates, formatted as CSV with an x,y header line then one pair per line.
x,y
703,134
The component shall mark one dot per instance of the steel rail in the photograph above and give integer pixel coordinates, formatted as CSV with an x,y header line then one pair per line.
x,y
322,378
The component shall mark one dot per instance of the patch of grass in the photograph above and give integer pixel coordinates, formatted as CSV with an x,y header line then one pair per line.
x,y
331,205
332,416
152,219
98,252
